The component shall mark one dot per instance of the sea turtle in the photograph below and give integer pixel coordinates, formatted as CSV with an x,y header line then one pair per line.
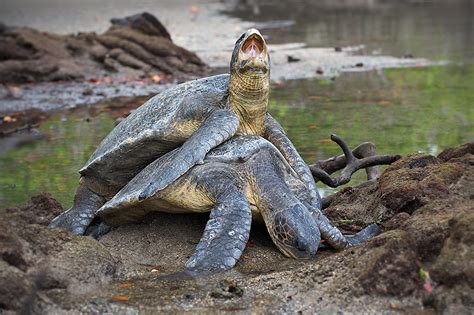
x,y
195,117
245,177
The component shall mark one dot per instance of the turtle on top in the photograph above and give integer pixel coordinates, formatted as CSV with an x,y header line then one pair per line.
x,y
209,145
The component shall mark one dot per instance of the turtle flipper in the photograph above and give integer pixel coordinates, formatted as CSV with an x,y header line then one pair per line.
x,y
78,218
336,239
225,235
365,234
98,230
275,134
220,126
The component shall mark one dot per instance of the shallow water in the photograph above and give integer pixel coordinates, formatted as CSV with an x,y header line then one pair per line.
x,y
443,31
401,111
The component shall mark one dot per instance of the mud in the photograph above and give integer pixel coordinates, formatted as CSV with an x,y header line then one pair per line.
x,y
21,120
134,46
20,126
421,263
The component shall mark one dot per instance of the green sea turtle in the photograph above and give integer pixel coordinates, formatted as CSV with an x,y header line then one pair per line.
x,y
194,117
245,177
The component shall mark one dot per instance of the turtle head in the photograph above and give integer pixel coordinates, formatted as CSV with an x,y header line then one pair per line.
x,y
294,232
250,55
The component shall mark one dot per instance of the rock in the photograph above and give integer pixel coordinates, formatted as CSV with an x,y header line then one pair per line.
x,y
457,152
134,45
405,186
227,289
145,23
29,249
426,203
16,285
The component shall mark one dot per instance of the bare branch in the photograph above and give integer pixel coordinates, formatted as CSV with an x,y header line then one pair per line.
x,y
349,163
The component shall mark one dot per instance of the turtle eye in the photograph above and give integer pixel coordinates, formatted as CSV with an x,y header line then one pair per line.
x,y
295,233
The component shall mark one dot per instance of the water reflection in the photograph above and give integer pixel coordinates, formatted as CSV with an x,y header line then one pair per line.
x,y
51,164
428,30
401,111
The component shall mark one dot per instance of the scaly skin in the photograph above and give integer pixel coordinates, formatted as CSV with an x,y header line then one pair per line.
x,y
248,98
246,175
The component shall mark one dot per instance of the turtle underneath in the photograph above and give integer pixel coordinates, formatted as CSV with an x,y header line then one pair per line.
x,y
244,178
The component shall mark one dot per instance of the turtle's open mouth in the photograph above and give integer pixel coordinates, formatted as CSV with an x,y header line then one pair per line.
x,y
253,46
250,55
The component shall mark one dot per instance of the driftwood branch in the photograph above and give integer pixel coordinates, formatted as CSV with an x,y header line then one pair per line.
x,y
362,157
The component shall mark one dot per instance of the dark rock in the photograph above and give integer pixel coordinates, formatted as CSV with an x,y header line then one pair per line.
x,y
87,92
16,285
132,46
40,210
391,268
456,152
145,23
292,59
438,233
396,221
227,289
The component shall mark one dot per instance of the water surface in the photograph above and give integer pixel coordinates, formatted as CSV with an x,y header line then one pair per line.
x,y
438,31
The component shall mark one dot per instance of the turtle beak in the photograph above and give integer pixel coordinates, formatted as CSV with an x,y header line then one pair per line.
x,y
253,53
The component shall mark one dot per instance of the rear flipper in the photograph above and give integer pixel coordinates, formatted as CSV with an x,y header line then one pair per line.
x,y
80,216
364,235
336,239
225,235
98,229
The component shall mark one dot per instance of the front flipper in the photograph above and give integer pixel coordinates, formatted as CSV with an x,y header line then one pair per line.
x,y
220,126
225,235
275,134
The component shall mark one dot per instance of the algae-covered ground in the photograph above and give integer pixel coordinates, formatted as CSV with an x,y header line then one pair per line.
x,y
421,263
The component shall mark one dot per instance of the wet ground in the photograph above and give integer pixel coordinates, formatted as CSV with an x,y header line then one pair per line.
x,y
421,264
